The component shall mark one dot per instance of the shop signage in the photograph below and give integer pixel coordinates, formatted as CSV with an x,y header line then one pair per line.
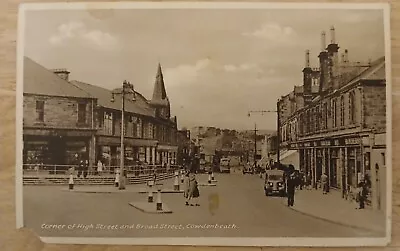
x,y
325,143
352,141
337,142
293,145
307,144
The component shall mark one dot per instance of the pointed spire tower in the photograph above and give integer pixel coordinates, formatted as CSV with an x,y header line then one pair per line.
x,y
160,99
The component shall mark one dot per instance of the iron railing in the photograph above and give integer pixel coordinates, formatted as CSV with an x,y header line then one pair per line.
x,y
134,170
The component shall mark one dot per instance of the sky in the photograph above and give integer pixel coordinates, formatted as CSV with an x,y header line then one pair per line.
x,y
218,64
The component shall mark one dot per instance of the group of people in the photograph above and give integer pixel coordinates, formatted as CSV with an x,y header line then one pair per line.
x,y
191,190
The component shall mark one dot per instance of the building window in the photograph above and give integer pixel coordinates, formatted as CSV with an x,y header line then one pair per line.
x,y
351,108
342,111
139,128
325,114
40,110
150,130
334,115
317,119
81,113
134,126
108,123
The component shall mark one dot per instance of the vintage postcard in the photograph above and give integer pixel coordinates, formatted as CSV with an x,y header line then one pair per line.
x,y
218,124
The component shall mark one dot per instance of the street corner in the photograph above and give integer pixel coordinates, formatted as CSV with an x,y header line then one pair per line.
x,y
150,208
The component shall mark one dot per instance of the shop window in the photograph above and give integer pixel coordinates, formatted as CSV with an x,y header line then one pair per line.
x,y
82,113
40,110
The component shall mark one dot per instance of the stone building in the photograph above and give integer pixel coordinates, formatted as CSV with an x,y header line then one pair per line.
x,y
150,131
58,120
341,129
84,118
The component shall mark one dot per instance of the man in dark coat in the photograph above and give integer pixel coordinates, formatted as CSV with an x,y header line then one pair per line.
x,y
291,187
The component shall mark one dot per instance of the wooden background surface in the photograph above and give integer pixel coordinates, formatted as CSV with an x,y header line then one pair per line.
x,y
24,239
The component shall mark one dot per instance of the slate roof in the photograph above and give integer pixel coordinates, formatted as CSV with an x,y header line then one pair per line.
x,y
41,81
139,106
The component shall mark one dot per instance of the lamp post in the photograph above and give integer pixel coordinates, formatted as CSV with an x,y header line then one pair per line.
x,y
277,130
127,88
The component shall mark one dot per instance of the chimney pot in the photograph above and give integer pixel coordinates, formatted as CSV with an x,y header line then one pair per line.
x,y
323,41
62,73
307,58
333,35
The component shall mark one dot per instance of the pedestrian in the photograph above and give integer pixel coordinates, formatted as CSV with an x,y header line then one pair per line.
x,y
308,181
324,181
99,167
81,168
291,187
194,193
86,168
362,194
186,188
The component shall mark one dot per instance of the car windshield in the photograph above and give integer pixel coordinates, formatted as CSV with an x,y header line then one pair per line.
x,y
274,177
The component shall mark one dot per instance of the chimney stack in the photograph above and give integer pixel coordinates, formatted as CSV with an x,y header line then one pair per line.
x,y
62,73
333,40
307,59
323,41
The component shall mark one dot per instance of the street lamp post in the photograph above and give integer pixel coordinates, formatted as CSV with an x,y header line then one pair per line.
x,y
127,88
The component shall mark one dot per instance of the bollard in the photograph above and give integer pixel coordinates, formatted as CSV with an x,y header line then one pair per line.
x,y
117,178
176,181
71,182
150,196
159,203
209,178
212,175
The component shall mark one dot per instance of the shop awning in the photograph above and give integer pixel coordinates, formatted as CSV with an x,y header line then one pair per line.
x,y
288,157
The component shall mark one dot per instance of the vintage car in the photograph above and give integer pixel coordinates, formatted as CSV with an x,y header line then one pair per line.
x,y
275,183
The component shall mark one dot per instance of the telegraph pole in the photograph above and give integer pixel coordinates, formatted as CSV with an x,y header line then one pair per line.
x,y
255,145
277,129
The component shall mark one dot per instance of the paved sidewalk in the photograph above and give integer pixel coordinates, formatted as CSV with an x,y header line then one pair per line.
x,y
333,208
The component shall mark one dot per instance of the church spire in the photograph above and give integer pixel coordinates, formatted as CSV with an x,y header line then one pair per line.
x,y
159,93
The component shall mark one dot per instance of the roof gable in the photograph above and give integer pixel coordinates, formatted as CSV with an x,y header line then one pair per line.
x,y
41,81
139,106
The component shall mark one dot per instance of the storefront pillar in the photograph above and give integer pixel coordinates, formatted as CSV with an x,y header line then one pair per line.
x,y
373,175
153,154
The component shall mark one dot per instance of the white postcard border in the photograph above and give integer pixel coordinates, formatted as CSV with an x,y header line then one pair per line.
x,y
206,241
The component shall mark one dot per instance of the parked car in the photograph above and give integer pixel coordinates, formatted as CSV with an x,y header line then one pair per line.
x,y
275,183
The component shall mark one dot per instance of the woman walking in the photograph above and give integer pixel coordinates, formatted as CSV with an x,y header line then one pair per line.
x,y
194,193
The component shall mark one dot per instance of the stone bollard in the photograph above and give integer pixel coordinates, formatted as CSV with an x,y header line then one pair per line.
x,y
159,203
117,178
212,175
150,196
71,182
209,178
